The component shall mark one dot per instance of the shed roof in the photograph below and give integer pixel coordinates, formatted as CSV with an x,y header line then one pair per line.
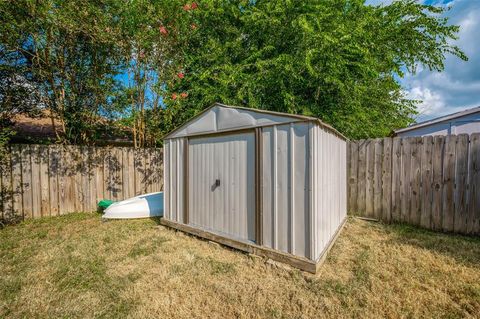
x,y
223,118
440,119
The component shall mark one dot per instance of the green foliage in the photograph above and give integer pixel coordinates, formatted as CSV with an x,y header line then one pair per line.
x,y
68,49
339,60
5,134
150,65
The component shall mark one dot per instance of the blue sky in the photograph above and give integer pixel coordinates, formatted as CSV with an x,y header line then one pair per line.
x,y
458,87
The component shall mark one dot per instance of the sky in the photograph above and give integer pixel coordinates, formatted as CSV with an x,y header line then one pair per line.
x,y
458,87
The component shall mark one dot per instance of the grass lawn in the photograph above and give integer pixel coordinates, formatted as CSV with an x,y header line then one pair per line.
x,y
77,266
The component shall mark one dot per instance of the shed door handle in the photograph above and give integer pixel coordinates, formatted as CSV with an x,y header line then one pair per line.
x,y
217,182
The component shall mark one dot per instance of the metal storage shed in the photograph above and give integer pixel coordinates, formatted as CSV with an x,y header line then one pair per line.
x,y
268,183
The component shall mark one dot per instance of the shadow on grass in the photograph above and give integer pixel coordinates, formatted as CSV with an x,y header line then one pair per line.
x,y
156,220
463,249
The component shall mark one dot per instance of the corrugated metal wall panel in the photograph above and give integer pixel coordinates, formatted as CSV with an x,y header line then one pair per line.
x,y
330,186
298,158
285,188
166,180
174,185
301,189
229,208
268,192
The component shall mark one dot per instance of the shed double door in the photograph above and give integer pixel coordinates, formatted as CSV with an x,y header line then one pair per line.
x,y
221,184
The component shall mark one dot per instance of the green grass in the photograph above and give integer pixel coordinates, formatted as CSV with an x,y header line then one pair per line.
x,y
76,266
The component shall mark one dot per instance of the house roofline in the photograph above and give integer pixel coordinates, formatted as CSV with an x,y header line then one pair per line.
x,y
439,120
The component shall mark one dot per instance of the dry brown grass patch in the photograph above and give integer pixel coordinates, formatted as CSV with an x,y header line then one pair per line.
x,y
77,266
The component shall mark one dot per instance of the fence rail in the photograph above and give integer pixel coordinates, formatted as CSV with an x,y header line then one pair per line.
x,y
433,182
40,180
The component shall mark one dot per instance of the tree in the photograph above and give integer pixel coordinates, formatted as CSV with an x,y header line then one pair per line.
x,y
68,49
97,59
153,34
339,60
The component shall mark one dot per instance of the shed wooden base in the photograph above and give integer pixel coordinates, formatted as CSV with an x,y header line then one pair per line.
x,y
294,261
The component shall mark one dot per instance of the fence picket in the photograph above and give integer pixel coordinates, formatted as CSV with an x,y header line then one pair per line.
x,y
461,189
474,184
352,179
396,173
377,178
437,196
54,158
415,180
57,179
6,198
405,181
17,182
362,165
426,181
36,185
386,180
44,187
449,182
430,181
27,197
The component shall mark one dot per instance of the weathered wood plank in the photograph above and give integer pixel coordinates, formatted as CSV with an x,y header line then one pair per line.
x,y
370,172
432,182
437,190
92,189
116,174
461,186
54,158
405,180
362,166
27,195
377,179
36,186
427,181
125,172
83,170
69,171
99,162
415,180
75,169
449,183
387,180
6,190
107,173
157,172
161,169
131,171
139,171
148,170
396,177
353,177
474,185
17,192
53,180
44,187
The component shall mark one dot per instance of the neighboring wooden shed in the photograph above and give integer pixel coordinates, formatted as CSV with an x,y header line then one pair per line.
x,y
268,183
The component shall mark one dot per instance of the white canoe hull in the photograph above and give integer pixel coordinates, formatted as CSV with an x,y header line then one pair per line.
x,y
143,206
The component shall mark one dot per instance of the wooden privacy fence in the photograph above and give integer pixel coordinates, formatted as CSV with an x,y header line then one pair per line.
x,y
39,180
433,182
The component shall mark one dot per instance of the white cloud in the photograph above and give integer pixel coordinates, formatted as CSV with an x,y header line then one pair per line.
x,y
458,86
432,102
